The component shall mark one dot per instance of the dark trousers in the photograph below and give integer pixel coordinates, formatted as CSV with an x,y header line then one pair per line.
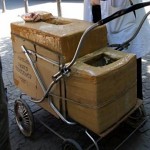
x,y
4,126
139,79
96,13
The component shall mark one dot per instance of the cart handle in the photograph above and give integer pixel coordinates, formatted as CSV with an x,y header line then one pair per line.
x,y
127,43
119,13
46,91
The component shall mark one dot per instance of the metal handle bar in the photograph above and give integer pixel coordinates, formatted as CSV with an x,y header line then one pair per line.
x,y
99,23
126,43
46,91
123,12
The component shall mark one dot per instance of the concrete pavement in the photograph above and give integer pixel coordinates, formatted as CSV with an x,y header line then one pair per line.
x,y
42,139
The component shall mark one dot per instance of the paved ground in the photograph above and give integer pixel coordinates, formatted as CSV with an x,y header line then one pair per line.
x,y
42,139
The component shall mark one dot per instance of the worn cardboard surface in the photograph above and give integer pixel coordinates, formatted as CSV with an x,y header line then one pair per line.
x,y
62,35
24,76
101,95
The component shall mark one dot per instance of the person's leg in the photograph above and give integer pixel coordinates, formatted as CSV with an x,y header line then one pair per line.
x,y
4,125
139,79
96,13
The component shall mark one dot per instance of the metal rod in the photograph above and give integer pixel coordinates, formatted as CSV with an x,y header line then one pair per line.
x,y
58,113
34,68
123,12
59,8
26,4
131,134
94,142
102,22
78,49
49,128
3,6
46,91
44,58
81,43
138,29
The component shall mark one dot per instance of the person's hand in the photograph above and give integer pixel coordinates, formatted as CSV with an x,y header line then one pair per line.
x,y
95,2
36,17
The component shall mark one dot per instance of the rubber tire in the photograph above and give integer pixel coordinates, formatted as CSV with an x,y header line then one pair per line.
x,y
24,117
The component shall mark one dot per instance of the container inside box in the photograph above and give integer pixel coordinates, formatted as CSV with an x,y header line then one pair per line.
x,y
101,60
102,87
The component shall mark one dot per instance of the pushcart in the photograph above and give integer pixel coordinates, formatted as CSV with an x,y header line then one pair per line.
x,y
23,113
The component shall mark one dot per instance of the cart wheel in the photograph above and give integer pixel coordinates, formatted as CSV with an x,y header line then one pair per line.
x,y
136,117
139,113
70,144
24,117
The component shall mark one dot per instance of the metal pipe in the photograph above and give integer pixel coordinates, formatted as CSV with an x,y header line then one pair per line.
x,y
94,142
46,91
3,6
34,68
58,113
99,23
26,4
123,12
59,8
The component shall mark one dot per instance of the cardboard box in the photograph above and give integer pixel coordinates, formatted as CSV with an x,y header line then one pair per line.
x,y
24,76
102,88
62,35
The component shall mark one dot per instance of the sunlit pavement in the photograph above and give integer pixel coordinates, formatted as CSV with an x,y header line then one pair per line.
x,y
43,140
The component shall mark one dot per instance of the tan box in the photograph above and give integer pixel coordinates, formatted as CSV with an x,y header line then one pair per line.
x,y
101,88
62,35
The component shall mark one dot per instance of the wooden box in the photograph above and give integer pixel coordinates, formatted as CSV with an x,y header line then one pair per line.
x,y
102,88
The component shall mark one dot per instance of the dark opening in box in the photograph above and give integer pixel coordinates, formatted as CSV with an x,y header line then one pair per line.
x,y
101,60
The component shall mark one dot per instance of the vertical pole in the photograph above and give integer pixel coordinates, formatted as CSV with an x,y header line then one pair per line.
x,y
59,8
3,6
26,6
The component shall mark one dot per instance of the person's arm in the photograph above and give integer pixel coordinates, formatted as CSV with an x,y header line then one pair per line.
x,y
95,2
96,10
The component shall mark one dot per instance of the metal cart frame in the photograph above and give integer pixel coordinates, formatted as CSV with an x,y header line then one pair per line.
x,y
23,114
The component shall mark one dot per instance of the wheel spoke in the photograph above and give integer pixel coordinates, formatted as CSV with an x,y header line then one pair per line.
x,y
24,117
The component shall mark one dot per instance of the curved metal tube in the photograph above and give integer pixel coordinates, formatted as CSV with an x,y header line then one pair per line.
x,y
94,142
46,91
102,22
81,43
58,113
137,30
27,54
99,23
78,49
123,12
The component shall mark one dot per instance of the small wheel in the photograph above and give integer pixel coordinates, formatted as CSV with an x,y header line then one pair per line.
x,y
138,114
24,117
70,144
136,117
